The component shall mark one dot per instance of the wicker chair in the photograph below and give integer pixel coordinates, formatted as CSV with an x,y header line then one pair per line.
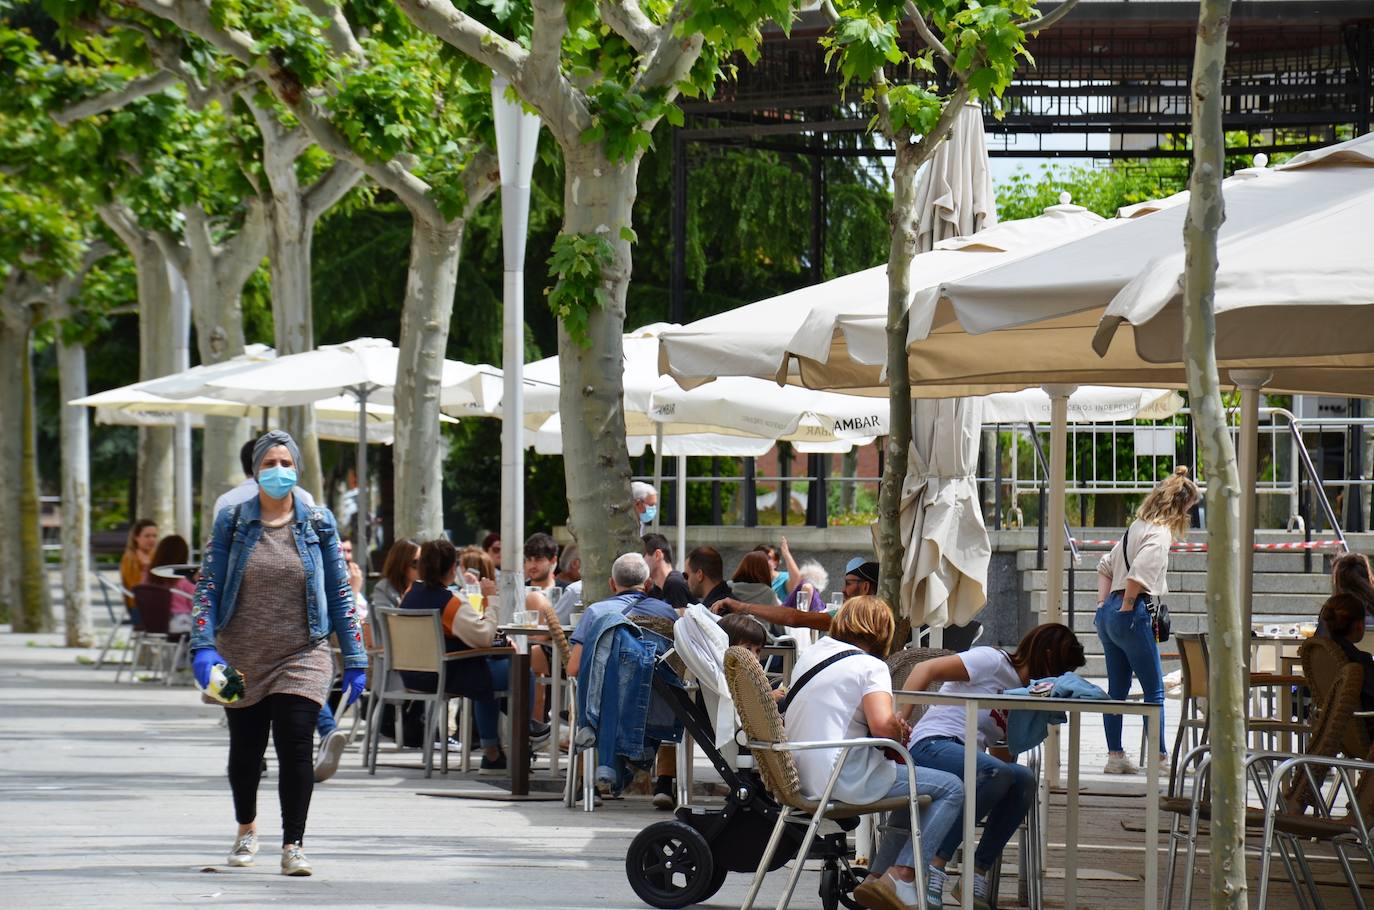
x,y
1322,659
763,725
1295,795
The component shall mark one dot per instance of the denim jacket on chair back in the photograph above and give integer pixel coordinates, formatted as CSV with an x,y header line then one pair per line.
x,y
329,602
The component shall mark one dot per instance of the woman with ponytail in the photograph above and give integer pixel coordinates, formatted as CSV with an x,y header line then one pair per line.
x,y
1127,578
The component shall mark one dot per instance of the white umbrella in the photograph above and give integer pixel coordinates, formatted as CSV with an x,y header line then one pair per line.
x,y
378,434
840,325
1033,321
190,383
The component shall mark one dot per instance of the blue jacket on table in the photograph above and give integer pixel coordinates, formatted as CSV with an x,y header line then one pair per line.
x,y
615,700
329,602
1028,729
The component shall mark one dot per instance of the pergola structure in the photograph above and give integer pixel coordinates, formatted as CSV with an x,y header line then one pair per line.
x,y
1110,81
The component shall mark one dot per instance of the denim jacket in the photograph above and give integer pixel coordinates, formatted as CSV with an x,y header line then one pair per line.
x,y
329,598
1028,729
616,702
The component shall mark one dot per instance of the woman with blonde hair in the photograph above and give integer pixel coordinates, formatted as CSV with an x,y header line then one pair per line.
x,y
1128,579
842,689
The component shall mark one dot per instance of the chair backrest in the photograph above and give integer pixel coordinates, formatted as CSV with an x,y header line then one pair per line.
x,y
1192,652
758,714
413,639
559,636
663,627
1333,714
154,603
901,663
1322,660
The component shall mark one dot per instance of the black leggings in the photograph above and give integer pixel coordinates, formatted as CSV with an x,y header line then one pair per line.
x,y
291,721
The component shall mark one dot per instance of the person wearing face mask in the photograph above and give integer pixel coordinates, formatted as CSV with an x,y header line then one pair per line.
x,y
248,488
273,588
645,503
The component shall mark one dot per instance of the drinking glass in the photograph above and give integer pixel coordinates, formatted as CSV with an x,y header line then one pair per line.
x,y
836,601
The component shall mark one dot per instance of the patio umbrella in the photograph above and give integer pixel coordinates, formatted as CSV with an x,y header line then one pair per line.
x,y
379,434
945,546
849,312
1034,320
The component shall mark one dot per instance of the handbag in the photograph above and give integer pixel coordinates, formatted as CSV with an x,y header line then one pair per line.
x,y
1160,623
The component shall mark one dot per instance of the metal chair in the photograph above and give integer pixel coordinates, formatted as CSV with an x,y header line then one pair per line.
x,y
413,641
152,636
114,595
1322,660
753,698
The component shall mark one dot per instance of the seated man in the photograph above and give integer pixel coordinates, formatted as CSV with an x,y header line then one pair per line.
x,y
860,579
629,576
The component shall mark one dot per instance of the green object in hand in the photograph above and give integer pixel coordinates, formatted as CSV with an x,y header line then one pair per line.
x,y
226,684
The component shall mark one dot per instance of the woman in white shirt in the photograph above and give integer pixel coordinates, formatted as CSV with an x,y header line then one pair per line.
x,y
1004,788
851,698
1127,578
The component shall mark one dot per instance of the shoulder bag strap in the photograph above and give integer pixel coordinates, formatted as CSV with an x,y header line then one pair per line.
x,y
810,674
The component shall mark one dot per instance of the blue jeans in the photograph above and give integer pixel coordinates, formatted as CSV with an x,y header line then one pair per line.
x,y
944,813
1128,643
1002,798
325,723
487,712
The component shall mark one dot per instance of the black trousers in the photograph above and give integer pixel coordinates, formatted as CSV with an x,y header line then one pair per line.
x,y
291,721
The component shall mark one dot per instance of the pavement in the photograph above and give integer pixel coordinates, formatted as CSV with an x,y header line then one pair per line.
x,y
114,795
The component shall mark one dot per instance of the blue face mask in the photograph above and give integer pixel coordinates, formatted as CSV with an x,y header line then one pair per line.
x,y
649,514
277,482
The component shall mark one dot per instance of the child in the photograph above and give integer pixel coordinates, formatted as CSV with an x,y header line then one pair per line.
x,y
745,630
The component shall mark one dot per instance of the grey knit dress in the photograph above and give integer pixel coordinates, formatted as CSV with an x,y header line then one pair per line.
x,y
268,637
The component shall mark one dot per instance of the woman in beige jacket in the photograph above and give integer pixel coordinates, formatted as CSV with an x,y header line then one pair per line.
x,y
1127,578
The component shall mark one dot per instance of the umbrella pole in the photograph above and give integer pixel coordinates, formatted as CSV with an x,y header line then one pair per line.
x,y
681,494
1249,382
360,547
265,418
1054,546
658,469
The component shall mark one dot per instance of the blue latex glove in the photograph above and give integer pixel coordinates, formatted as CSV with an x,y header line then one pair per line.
x,y
203,660
354,678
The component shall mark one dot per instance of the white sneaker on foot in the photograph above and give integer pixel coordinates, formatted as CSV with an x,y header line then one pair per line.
x,y
1119,764
331,750
293,861
244,849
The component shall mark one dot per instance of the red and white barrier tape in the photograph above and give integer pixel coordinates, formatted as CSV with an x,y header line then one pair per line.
x,y
1186,546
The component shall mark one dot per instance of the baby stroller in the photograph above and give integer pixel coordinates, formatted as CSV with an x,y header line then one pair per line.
x,y
683,861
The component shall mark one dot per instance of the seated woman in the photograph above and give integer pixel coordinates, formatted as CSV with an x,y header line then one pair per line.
x,y
464,629
851,698
173,550
1343,620
1004,787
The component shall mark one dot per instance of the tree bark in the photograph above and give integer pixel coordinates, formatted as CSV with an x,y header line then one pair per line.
x,y
156,461
14,341
214,278
428,309
76,495
1227,638
35,614
598,198
901,251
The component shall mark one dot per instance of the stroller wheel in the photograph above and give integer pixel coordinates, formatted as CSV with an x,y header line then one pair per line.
x,y
849,879
669,865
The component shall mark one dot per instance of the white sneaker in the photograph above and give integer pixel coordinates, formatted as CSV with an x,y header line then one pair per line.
x,y
331,750
293,861
244,849
1119,764
455,746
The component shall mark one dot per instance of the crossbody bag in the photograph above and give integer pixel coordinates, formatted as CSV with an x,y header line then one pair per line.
x,y
1160,623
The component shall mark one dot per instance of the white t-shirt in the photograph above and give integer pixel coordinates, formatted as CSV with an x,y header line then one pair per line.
x,y
989,673
830,707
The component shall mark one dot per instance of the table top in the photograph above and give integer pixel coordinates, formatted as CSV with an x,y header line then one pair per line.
x,y
185,570
523,630
1029,702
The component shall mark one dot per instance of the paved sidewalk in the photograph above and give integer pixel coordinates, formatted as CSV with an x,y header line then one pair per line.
x,y
115,796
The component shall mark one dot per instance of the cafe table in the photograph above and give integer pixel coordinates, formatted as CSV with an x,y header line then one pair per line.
x,y
520,637
1075,708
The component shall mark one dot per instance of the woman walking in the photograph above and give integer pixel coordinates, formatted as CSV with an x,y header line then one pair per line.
x,y
273,588
1128,578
